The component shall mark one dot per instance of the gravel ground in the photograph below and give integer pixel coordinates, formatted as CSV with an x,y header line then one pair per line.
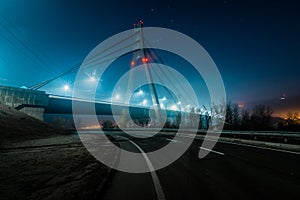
x,y
38,161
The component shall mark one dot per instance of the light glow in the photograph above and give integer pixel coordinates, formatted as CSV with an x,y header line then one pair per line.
x,y
117,97
145,60
140,92
66,87
174,107
144,102
93,79
132,63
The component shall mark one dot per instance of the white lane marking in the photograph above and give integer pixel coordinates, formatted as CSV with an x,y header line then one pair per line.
x,y
159,191
210,150
173,140
253,146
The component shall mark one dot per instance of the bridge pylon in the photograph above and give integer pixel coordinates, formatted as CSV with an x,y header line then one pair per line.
x,y
140,57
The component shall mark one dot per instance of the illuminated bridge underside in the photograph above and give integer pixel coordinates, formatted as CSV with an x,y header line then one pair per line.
x,y
64,106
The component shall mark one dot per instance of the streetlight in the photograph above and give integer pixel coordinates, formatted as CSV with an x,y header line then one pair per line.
x,y
174,107
140,92
163,100
93,79
66,88
117,97
144,102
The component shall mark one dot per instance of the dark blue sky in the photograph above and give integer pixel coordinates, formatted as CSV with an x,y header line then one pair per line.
x,y
255,44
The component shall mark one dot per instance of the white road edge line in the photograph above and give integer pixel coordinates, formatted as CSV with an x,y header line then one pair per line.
x,y
159,191
253,146
210,150
258,147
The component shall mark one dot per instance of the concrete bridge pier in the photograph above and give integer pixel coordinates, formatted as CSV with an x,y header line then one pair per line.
x,y
28,101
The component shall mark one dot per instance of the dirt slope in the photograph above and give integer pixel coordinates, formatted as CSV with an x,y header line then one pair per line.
x,y
16,126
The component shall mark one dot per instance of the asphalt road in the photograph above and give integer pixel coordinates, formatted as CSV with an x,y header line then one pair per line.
x,y
230,171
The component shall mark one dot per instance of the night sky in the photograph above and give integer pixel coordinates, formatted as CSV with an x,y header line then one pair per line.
x,y
255,44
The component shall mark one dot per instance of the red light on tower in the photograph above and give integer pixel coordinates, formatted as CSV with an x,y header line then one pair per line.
x,y
145,60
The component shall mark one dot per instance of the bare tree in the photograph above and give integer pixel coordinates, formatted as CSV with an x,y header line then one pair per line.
x,y
261,117
232,119
245,119
229,116
235,116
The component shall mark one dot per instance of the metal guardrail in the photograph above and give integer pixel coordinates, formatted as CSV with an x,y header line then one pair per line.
x,y
274,137
266,136
264,133
203,131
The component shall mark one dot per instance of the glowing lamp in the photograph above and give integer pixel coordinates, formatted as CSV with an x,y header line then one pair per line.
x,y
132,63
66,87
145,60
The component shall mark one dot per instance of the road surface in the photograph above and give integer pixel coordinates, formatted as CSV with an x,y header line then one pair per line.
x,y
230,171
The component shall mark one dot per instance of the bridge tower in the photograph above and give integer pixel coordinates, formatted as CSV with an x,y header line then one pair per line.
x,y
140,57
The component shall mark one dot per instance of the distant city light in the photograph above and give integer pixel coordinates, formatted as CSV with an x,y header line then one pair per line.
x,y
241,105
164,98
162,105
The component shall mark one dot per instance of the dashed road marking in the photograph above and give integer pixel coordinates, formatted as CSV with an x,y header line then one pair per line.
x,y
210,150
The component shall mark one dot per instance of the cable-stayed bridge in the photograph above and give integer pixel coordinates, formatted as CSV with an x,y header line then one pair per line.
x,y
37,103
